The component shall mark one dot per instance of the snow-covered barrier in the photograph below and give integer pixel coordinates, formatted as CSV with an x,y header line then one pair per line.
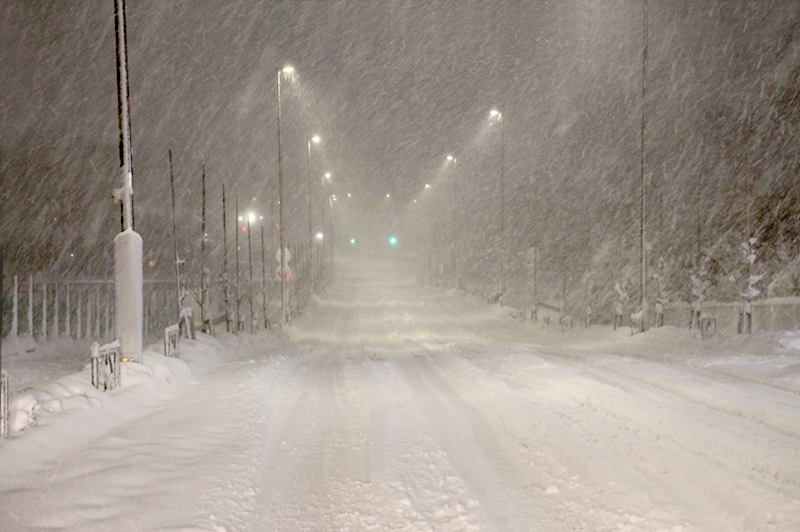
x,y
3,404
105,365
772,314
172,346
187,322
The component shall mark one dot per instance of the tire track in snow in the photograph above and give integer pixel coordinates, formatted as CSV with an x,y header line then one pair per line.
x,y
666,441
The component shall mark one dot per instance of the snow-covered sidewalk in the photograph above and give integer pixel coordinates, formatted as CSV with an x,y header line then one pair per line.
x,y
392,406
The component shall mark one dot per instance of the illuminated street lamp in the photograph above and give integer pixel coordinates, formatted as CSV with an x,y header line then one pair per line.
x,y
315,140
285,317
326,178
453,160
496,115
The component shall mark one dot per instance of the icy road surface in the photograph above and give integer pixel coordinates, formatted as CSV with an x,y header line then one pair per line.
x,y
401,407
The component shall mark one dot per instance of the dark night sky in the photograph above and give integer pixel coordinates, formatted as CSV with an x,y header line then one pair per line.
x,y
391,86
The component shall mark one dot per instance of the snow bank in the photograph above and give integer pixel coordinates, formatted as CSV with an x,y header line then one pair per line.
x,y
789,340
140,382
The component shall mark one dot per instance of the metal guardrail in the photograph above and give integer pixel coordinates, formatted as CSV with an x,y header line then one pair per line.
x,y
105,365
172,341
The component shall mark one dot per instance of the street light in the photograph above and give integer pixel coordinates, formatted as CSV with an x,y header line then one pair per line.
x,y
285,70
326,178
498,116
453,160
315,140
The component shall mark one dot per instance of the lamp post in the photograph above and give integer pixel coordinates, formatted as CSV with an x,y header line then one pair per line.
x,y
128,246
285,318
325,179
453,160
494,113
315,139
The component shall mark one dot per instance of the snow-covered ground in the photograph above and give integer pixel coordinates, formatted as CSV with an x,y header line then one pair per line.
x,y
393,406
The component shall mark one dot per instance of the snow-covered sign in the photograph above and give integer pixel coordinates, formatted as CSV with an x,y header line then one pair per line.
x,y
287,270
286,252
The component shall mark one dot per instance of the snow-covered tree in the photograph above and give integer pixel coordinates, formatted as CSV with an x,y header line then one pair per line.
x,y
752,278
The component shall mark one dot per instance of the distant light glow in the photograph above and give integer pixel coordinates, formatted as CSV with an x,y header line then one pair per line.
x,y
327,175
352,240
449,157
320,236
315,139
388,195
393,240
287,69
427,185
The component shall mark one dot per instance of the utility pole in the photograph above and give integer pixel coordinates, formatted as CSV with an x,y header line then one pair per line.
x,y
250,290
203,277
236,287
225,281
128,246
643,199
178,301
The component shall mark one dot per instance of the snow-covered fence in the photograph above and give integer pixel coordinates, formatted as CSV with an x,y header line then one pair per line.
x,y
774,314
3,404
105,365
172,346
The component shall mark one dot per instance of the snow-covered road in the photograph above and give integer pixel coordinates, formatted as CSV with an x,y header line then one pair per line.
x,y
399,407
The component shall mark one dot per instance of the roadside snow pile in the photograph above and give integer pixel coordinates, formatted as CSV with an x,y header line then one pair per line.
x,y
789,340
157,376
76,391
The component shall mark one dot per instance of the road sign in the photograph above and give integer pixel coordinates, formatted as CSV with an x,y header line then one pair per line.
x,y
286,270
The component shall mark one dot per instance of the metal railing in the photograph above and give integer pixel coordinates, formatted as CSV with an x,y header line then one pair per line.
x,y
105,365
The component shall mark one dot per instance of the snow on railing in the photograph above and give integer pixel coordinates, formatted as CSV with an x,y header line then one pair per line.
x,y
3,404
187,322
105,365
172,346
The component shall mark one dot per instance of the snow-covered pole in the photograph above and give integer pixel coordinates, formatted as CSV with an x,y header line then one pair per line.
x,y
67,318
502,213
284,306
226,284
30,305
175,239
128,244
643,207
15,309
250,289
2,303
236,245
44,311
284,319
56,315
203,257
263,279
